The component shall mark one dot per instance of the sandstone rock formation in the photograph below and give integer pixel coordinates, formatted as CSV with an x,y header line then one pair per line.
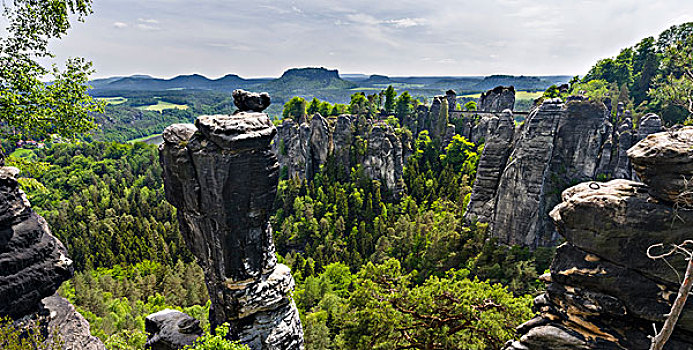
x,y
171,330
603,291
250,101
33,264
491,165
559,144
497,100
222,176
72,328
303,148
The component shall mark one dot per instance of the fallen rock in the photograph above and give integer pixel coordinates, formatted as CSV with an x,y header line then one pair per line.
x,y
171,330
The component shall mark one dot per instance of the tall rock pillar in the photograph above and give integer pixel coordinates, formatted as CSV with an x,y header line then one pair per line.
x,y
222,176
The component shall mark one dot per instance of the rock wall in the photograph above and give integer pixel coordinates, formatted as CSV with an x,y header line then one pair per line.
x,y
559,144
303,149
603,291
222,176
497,100
33,264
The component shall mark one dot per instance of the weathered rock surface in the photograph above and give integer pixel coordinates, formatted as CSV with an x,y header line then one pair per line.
x,y
664,161
384,160
223,180
491,165
604,292
72,328
250,101
303,149
171,330
559,144
33,263
497,100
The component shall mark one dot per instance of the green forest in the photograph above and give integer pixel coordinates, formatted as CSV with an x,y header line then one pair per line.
x,y
374,269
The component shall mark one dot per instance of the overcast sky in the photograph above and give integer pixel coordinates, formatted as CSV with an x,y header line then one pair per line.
x,y
262,38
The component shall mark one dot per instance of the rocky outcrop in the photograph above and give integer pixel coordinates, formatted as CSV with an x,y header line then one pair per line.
x,y
222,176
303,149
603,291
33,263
383,160
171,330
493,160
497,100
559,144
250,101
72,329
320,145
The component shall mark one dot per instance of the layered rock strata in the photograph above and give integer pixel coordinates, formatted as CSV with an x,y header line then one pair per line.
x,y
497,100
603,291
558,145
222,176
302,149
33,264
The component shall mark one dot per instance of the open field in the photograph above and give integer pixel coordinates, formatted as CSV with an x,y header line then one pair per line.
x,y
113,100
519,95
161,106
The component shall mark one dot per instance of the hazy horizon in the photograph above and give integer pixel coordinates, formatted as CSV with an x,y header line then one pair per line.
x,y
167,38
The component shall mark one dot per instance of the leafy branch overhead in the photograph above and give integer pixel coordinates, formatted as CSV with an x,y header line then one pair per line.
x,y
30,107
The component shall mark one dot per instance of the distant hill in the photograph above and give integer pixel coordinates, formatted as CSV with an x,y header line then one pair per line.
x,y
323,83
308,79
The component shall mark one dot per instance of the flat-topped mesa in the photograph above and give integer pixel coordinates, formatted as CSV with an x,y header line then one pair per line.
x,y
222,176
604,292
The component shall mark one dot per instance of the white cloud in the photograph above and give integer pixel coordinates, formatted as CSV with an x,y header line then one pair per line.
x,y
415,37
148,20
406,22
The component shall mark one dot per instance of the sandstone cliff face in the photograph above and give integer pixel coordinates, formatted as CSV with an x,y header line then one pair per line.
x,y
497,100
559,144
604,292
302,149
33,264
222,176
500,131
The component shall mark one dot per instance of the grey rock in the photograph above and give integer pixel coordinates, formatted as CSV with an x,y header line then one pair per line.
x,y
72,329
649,124
320,145
604,292
451,96
384,158
33,263
663,162
342,139
171,330
491,165
251,102
223,181
559,144
497,100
